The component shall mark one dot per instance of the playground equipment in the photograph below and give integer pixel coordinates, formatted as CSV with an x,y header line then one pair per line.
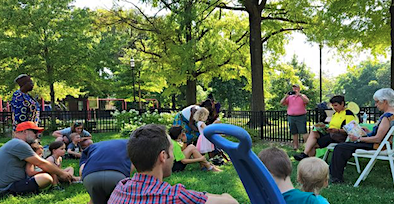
x,y
258,182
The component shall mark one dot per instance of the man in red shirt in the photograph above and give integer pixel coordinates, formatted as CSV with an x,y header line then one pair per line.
x,y
296,102
151,151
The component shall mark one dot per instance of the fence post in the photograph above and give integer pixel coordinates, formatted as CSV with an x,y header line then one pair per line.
x,y
262,122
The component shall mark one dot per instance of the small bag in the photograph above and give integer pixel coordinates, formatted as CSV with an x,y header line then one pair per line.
x,y
338,137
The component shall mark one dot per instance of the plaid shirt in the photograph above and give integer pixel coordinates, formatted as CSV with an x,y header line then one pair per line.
x,y
142,188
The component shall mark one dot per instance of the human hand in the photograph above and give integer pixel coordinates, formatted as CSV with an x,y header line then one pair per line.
x,y
353,138
332,130
67,176
366,130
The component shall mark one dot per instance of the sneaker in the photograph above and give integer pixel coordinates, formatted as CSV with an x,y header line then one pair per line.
x,y
301,156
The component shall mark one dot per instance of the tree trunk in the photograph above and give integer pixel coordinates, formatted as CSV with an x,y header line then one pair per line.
x,y
191,92
256,58
392,43
52,93
173,102
191,89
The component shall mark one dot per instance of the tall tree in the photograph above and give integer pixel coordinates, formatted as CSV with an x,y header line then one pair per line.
x,y
283,16
47,39
192,43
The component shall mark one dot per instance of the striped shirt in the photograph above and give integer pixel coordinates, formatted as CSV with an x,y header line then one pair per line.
x,y
142,188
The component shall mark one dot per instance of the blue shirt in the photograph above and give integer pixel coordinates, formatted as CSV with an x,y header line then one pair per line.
x,y
295,196
106,155
322,200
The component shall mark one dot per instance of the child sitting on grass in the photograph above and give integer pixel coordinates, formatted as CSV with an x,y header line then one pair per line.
x,y
31,169
74,149
58,149
185,154
312,174
278,164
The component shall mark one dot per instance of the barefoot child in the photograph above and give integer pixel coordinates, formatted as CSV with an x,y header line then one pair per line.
x,y
312,174
203,144
31,169
58,149
186,154
74,149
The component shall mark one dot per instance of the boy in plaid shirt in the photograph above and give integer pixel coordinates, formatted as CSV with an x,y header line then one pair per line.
x,y
151,151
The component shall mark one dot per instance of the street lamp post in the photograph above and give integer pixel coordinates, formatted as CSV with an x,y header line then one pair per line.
x,y
132,65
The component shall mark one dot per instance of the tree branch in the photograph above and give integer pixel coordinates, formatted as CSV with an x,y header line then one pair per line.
x,y
147,52
261,6
224,6
282,19
279,31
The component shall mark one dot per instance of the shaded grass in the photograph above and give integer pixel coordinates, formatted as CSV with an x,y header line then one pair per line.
x,y
377,188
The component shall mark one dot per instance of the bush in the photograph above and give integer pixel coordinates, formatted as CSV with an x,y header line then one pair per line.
x,y
127,122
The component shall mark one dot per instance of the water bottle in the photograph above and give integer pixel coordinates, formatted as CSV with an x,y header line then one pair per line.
x,y
365,117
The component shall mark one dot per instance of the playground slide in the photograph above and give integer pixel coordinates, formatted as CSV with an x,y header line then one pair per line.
x,y
258,182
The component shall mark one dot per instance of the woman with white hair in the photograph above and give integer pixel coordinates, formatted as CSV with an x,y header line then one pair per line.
x,y
384,101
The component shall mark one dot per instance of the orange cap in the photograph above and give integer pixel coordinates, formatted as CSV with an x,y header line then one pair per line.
x,y
28,125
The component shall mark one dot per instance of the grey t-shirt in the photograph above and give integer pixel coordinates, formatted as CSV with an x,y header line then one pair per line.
x,y
13,164
67,132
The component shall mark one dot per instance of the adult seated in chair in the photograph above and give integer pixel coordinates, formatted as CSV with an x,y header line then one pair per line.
x,y
15,154
279,165
335,133
384,101
151,151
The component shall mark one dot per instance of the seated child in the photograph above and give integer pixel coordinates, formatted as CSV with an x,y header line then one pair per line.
x,y
74,149
58,149
278,164
185,154
312,174
31,169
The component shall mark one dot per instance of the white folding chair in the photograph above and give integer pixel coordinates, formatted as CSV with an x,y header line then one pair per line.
x,y
374,155
330,148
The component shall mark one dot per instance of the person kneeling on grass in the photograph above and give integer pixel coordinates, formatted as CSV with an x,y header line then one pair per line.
x,y
312,174
279,165
151,151
186,154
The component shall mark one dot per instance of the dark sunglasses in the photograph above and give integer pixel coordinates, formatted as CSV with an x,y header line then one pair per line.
x,y
35,131
77,124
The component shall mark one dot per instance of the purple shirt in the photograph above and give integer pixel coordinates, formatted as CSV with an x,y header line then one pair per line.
x,y
142,188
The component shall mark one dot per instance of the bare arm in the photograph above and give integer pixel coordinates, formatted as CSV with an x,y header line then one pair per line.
x,y
49,167
283,100
384,126
30,170
74,153
224,198
57,134
194,160
304,98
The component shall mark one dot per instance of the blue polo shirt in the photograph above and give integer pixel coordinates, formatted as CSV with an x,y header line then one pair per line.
x,y
104,156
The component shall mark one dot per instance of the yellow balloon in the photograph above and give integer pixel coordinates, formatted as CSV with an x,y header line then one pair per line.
x,y
353,107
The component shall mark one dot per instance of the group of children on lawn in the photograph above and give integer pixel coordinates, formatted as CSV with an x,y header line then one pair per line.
x,y
57,150
312,173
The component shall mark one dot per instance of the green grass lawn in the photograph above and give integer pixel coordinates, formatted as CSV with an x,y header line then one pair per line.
x,y
377,188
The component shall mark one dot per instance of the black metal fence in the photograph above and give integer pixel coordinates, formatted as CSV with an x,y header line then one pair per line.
x,y
268,125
